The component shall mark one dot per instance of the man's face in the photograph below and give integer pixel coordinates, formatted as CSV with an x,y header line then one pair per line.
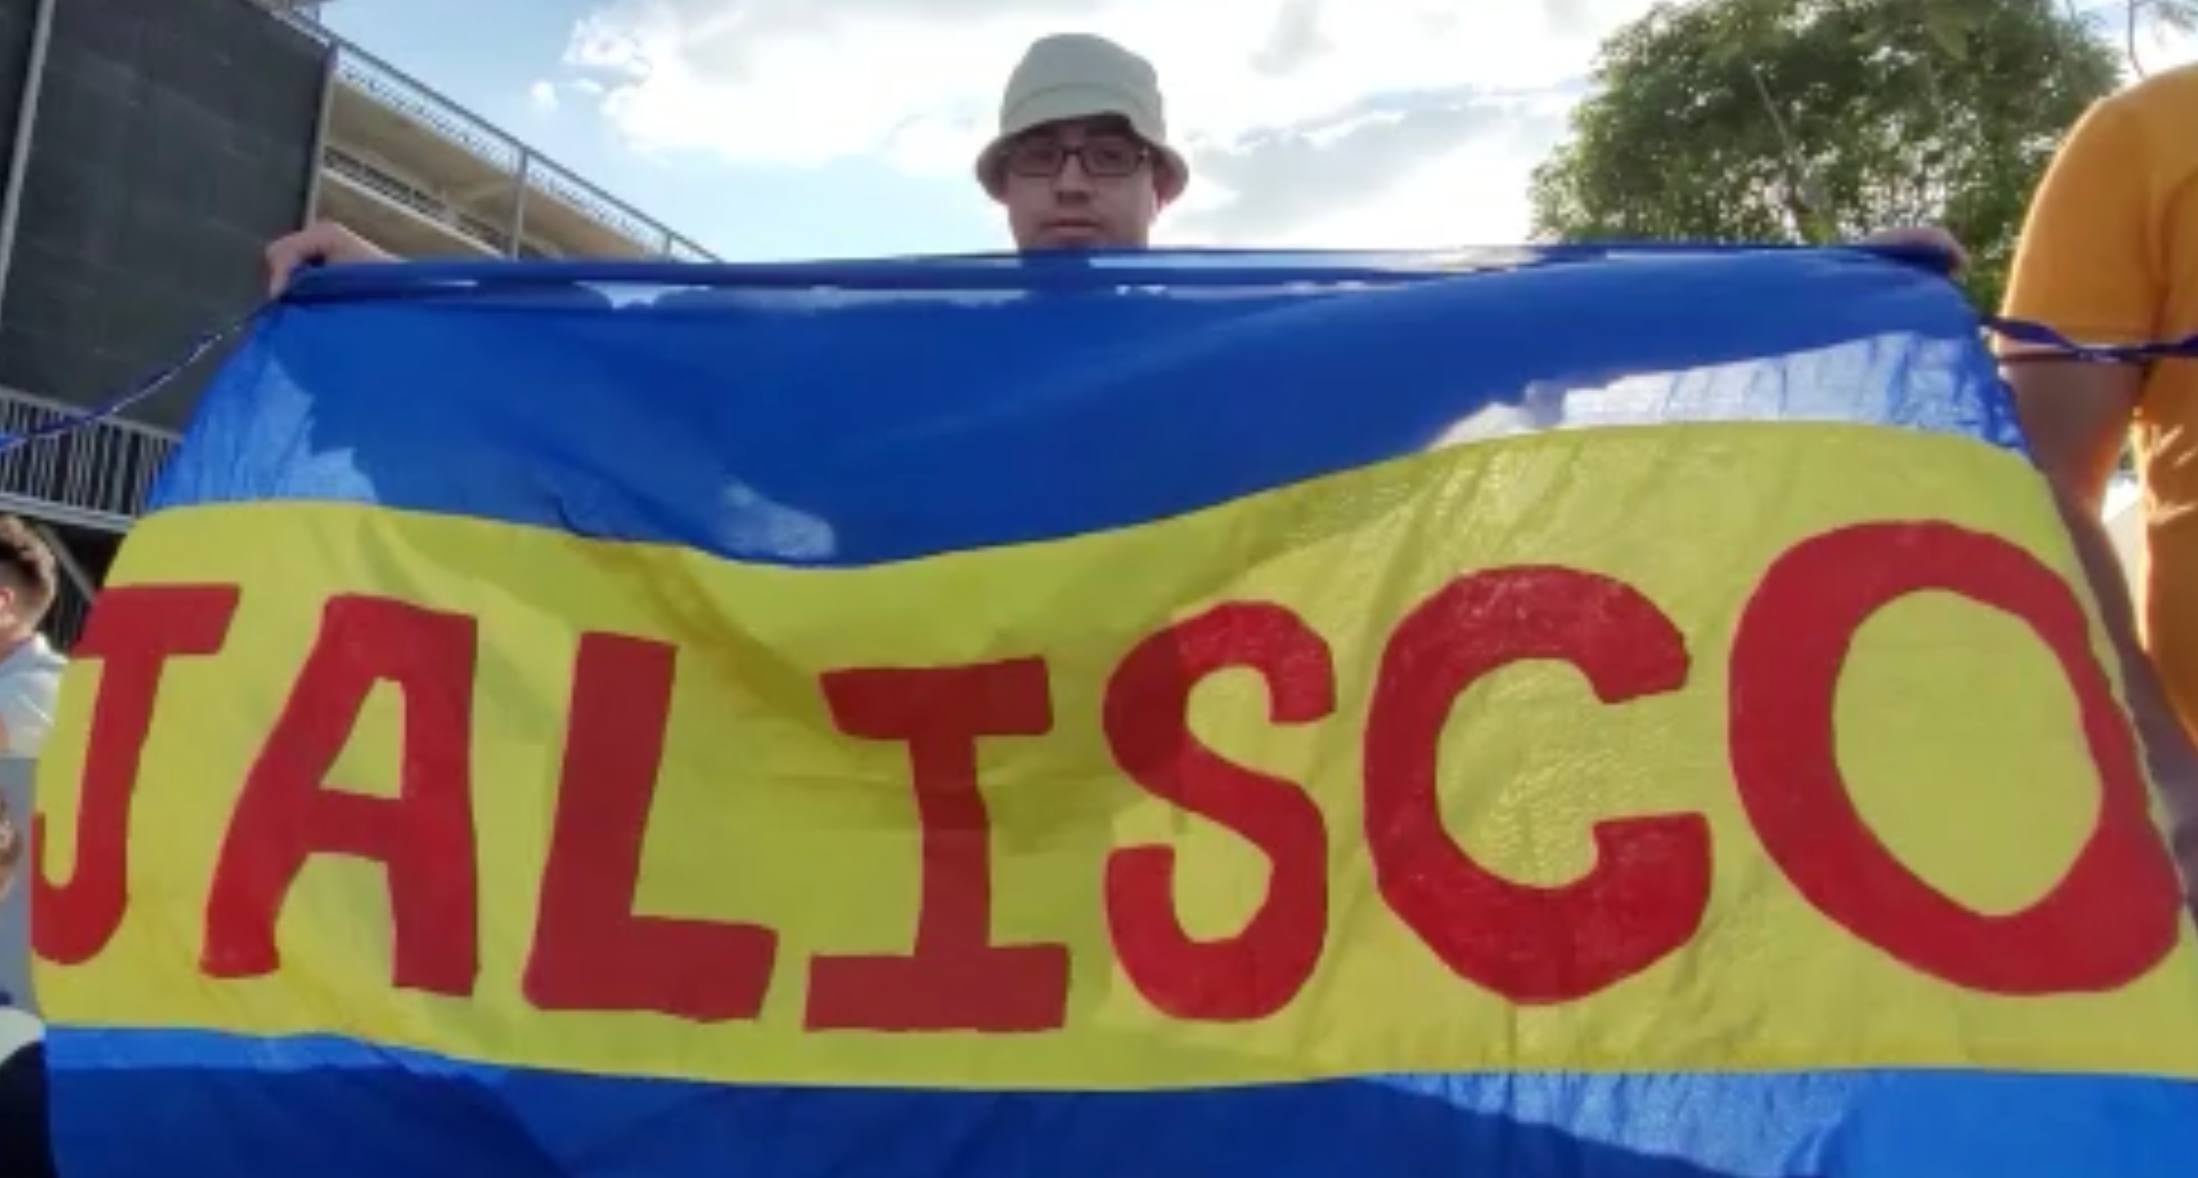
x,y
1086,184
11,607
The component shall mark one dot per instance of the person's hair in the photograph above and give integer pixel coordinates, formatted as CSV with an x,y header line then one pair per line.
x,y
27,565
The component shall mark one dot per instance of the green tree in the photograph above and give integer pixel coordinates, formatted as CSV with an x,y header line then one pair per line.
x,y
1823,120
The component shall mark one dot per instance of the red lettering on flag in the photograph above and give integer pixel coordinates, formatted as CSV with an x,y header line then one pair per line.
x,y
1651,880
956,979
2108,920
1256,972
591,951
133,632
424,837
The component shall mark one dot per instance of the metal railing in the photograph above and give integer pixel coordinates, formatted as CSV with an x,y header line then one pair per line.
x,y
452,122
93,475
382,182
98,474
683,250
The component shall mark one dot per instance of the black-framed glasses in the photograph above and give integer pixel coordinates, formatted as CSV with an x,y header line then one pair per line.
x,y
1107,156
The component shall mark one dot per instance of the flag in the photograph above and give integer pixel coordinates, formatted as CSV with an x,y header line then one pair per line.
x,y
1541,712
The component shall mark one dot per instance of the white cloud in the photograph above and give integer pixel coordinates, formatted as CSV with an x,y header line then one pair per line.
x,y
1372,118
776,82
938,144
2166,48
1471,194
543,96
1389,170
1295,40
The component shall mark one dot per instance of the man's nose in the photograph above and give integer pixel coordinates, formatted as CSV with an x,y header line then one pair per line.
x,y
1072,180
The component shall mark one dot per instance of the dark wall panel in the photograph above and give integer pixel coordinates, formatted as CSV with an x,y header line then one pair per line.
x,y
174,138
16,17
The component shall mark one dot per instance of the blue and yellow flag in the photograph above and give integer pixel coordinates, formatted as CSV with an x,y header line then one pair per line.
x,y
1552,713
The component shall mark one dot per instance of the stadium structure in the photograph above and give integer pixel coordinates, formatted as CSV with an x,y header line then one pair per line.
x,y
152,148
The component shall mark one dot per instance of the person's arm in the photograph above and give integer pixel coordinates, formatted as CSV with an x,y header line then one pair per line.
x,y
2076,414
1929,239
2089,266
2166,747
322,241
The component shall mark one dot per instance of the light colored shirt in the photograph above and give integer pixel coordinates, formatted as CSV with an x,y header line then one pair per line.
x,y
30,681
18,1029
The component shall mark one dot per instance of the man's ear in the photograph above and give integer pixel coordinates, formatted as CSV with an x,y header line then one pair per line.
x,y
1167,186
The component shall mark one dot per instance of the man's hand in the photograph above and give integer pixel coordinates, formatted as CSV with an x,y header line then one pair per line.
x,y
1928,238
322,241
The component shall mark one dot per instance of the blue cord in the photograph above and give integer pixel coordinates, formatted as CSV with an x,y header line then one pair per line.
x,y
145,386
2060,347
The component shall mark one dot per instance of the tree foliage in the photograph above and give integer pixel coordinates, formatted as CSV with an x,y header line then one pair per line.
x,y
1823,120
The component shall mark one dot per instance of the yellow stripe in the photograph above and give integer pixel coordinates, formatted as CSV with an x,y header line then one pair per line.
x,y
1958,735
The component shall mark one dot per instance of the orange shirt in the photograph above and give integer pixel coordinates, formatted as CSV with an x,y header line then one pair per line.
x,y
2110,255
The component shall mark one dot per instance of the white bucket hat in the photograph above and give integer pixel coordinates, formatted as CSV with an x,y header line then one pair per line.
x,y
1079,76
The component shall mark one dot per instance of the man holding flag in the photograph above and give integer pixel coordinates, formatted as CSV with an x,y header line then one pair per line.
x,y
1082,161
859,835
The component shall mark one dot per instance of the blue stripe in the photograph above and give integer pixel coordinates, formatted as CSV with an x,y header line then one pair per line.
x,y
881,411
332,1108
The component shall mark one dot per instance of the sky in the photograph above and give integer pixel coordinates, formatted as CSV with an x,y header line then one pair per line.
x,y
779,129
